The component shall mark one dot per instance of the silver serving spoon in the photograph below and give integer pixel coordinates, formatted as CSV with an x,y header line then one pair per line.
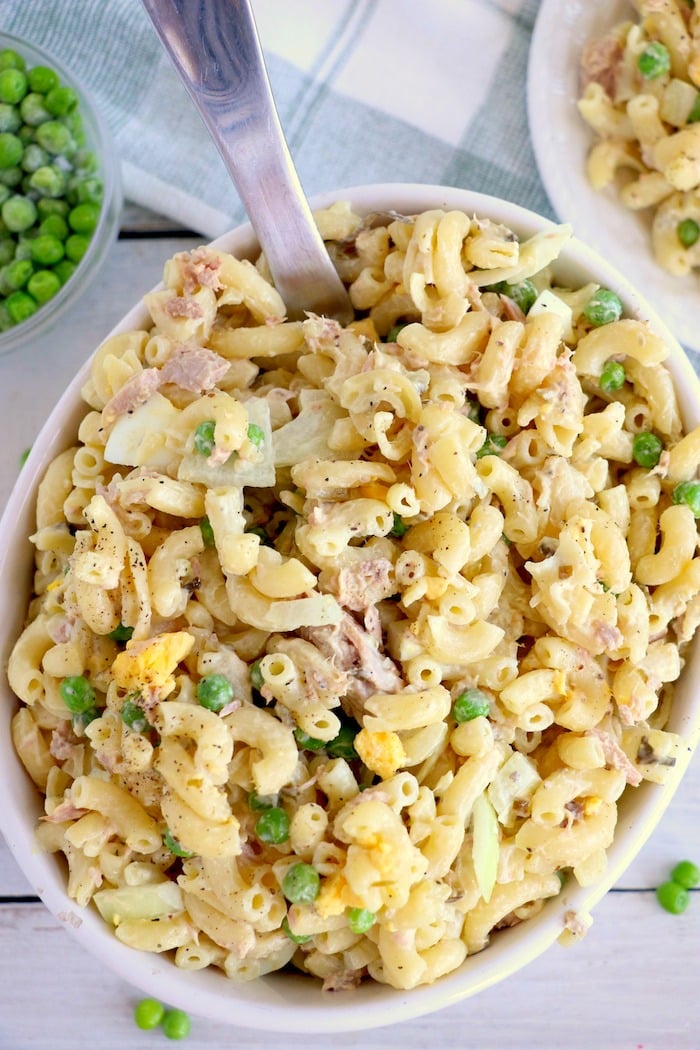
x,y
215,48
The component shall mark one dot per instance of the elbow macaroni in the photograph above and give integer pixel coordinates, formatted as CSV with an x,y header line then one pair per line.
x,y
648,124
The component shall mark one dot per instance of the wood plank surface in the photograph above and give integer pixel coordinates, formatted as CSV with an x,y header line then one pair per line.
x,y
631,984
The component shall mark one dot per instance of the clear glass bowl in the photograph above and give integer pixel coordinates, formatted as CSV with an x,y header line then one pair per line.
x,y
99,140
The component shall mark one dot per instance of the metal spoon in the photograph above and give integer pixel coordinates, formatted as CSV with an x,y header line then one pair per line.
x,y
214,46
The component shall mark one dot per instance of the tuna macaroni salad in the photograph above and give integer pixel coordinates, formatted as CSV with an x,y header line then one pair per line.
x,y
345,642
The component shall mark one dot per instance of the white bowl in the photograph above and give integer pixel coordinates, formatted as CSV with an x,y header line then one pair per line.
x,y
284,1002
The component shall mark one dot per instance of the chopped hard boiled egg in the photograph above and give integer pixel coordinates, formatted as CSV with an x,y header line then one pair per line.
x,y
381,751
149,665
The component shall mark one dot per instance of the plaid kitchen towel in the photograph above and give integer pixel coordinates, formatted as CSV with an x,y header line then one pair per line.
x,y
367,91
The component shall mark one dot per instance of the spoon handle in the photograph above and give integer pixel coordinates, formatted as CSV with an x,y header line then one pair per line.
x,y
214,46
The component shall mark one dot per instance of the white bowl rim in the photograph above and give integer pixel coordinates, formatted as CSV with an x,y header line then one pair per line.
x,y
287,1003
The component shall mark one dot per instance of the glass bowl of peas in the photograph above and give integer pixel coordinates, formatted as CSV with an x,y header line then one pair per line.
x,y
60,192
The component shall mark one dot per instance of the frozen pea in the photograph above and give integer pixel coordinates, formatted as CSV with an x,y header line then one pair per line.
x,y
49,181
34,157
18,213
64,270
11,59
10,119
13,86
76,246
54,137
42,79
11,176
32,109
43,285
20,306
61,100
11,150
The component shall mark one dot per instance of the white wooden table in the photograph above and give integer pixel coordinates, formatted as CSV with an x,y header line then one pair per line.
x,y
631,984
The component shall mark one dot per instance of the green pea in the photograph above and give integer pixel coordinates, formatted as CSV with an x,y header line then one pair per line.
x,y
11,150
214,692
204,437
32,109
273,826
171,843
259,803
471,704
85,162
55,226
74,122
296,938
654,61
134,716
26,134
603,307
34,158
207,532
493,444
258,530
64,270
50,206
256,678
23,247
7,245
308,743
612,376
83,219
77,694
84,718
694,115
48,181
42,79
176,1024
686,874
394,331
688,492
343,745
360,920
522,294
646,449
10,119
60,100
148,1014
11,59
47,250
301,884
20,307
474,411
76,246
16,274
13,86
688,232
256,434
673,897
90,190
11,177
399,528
121,633
54,137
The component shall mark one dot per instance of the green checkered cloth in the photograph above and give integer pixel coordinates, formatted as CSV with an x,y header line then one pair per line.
x,y
367,91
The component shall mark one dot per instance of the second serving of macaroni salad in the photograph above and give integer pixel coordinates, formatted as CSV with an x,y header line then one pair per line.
x,y
641,97
345,642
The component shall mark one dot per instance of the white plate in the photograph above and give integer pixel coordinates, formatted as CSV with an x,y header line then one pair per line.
x,y
561,141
